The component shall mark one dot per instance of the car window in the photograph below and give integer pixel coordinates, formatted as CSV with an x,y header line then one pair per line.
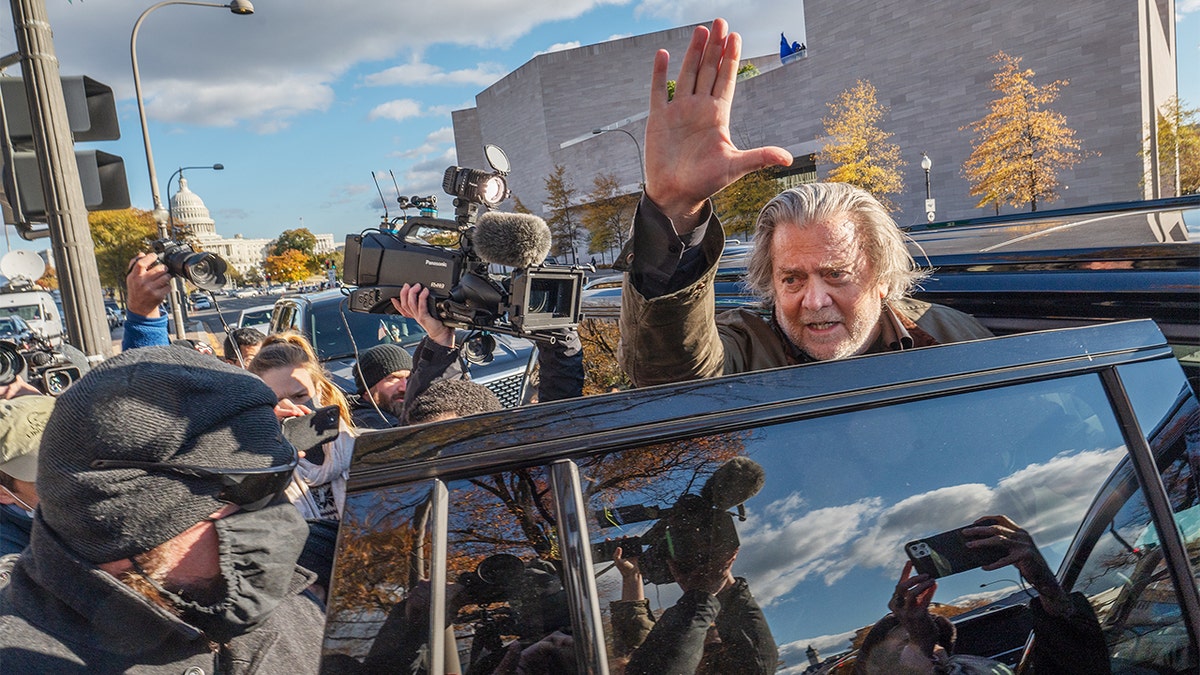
x,y
331,340
822,544
26,312
261,316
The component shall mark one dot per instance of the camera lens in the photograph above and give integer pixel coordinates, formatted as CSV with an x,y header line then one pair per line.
x,y
11,363
206,270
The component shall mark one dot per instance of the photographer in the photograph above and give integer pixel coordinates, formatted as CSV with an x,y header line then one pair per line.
x,y
715,627
1067,635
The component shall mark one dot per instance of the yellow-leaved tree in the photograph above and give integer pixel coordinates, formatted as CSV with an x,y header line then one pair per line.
x,y
857,148
1021,145
118,236
1178,149
739,203
287,267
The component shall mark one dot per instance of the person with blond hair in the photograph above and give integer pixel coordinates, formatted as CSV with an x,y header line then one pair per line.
x,y
289,365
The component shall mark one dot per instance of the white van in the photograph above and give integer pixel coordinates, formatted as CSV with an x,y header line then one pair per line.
x,y
39,311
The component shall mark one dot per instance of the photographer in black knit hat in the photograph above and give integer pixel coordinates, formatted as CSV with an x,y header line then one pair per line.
x,y
161,542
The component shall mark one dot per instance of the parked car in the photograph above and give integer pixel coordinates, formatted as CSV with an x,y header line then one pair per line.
x,y
201,302
323,319
116,314
258,317
1079,425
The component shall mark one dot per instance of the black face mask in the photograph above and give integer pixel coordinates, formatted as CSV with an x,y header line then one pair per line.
x,y
258,553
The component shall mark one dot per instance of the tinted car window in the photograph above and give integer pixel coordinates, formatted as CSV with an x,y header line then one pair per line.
x,y
822,543
331,340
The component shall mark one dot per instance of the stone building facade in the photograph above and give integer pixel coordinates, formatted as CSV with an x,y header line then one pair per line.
x,y
930,62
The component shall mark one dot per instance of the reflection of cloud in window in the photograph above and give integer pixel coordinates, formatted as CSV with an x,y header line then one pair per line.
x,y
826,645
782,547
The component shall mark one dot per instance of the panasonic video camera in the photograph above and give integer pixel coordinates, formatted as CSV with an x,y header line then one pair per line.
x,y
696,530
453,258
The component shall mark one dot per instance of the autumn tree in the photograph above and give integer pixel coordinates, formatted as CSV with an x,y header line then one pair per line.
x,y
118,236
739,203
608,214
49,279
564,224
519,206
1021,145
287,267
1178,137
300,239
602,372
857,148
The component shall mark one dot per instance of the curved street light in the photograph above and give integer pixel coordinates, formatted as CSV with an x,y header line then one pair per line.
x,y
641,162
179,172
161,216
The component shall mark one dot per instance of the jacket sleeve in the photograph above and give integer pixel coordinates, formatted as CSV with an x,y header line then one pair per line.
x,y
747,643
632,621
431,362
142,331
1074,644
676,643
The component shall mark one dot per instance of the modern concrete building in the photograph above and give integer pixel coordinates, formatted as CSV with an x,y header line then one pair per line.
x,y
930,62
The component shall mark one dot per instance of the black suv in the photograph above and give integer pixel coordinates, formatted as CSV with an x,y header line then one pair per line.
x,y
501,526
322,317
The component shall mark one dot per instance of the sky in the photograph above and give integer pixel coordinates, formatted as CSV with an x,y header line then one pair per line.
x,y
302,100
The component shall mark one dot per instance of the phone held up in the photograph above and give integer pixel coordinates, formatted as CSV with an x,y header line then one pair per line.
x,y
947,553
309,432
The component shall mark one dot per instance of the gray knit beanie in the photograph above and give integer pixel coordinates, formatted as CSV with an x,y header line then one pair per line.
x,y
378,362
158,404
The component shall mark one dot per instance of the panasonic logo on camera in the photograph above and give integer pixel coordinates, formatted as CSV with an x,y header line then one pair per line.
x,y
435,284
437,263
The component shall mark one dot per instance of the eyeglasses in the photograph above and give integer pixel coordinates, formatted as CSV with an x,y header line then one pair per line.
x,y
250,489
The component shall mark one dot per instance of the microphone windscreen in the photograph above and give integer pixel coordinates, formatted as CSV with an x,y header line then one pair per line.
x,y
733,483
511,239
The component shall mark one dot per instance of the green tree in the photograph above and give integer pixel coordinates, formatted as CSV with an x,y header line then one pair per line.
x,y
561,196
253,277
118,236
857,149
608,214
1178,149
739,203
1021,145
300,239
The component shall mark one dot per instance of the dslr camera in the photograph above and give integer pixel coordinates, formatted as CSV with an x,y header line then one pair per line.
x,y
454,259
204,269
40,364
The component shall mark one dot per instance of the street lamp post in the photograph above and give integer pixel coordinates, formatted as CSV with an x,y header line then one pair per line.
x,y
179,172
930,205
161,216
641,162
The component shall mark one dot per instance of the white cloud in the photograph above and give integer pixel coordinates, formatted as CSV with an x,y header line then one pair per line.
x,y
559,47
758,23
416,74
266,105
434,142
1185,7
826,646
397,111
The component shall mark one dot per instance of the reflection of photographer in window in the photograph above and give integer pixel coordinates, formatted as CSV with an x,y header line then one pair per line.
x,y
1067,635
716,626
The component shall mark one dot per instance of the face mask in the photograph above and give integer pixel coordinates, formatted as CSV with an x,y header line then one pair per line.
x,y
258,553
24,508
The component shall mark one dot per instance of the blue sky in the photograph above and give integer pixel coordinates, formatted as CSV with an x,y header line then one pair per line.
x,y
304,99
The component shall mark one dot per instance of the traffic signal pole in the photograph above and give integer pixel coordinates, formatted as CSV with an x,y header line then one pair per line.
x,y
66,211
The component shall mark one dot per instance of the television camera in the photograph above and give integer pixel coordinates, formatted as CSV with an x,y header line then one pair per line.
x,y
696,530
452,259
39,363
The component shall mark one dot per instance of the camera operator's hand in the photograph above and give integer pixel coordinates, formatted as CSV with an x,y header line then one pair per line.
x,y
18,387
712,577
631,576
910,604
414,304
1019,550
148,284
689,153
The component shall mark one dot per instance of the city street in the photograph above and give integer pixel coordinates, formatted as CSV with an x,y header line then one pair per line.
x,y
209,320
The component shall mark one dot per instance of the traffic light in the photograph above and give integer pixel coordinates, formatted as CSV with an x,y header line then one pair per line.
x,y
92,115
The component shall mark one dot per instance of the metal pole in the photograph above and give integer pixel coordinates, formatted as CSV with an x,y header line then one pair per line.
x,y
160,214
66,211
641,162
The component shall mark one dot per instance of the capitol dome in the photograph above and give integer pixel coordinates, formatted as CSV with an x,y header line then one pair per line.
x,y
189,210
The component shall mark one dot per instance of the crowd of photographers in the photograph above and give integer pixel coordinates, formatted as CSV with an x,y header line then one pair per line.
x,y
154,513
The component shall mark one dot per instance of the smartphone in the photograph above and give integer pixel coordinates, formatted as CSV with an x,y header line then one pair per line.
x,y
947,553
308,432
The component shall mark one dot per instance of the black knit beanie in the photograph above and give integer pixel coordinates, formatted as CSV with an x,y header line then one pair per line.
x,y
378,362
158,404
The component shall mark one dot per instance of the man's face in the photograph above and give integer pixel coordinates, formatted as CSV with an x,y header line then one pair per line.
x,y
247,352
389,392
826,298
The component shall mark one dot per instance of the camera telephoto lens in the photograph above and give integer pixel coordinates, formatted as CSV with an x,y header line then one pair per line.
x,y
11,363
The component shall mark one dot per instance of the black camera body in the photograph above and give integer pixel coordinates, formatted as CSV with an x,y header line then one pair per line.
x,y
535,301
204,269
40,364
